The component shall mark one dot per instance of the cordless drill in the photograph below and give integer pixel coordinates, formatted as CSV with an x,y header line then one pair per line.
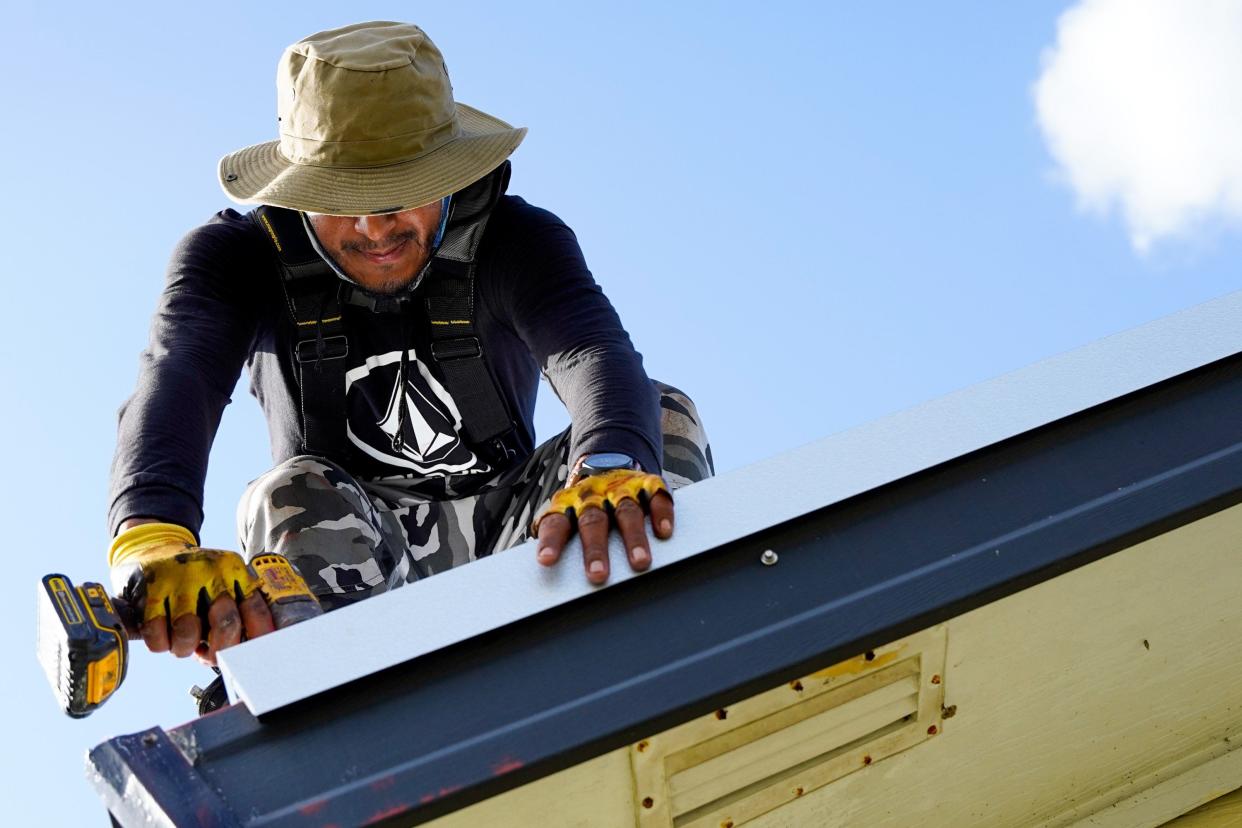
x,y
82,634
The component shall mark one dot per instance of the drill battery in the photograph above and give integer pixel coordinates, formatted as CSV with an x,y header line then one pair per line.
x,y
81,643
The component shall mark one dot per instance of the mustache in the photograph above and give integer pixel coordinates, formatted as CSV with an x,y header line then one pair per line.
x,y
386,243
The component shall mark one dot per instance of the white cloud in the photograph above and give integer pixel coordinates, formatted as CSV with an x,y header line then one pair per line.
x,y
1140,103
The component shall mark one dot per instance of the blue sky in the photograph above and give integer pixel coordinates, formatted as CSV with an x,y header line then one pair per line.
x,y
807,218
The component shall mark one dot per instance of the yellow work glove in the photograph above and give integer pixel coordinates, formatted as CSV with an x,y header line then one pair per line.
x,y
606,491
159,566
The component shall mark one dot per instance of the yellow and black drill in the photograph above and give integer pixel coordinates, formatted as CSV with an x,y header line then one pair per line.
x,y
83,633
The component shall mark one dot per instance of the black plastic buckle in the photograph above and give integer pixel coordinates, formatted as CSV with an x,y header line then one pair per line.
x,y
333,347
500,450
460,347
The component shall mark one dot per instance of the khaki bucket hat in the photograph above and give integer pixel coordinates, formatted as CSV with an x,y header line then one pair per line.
x,y
368,125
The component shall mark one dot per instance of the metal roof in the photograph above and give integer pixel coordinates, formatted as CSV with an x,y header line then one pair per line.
x,y
878,532
271,672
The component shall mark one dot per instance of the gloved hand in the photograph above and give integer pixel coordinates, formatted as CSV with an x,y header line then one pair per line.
x,y
622,497
159,568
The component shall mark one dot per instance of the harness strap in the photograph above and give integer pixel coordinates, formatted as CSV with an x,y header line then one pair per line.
x,y
321,343
449,296
455,346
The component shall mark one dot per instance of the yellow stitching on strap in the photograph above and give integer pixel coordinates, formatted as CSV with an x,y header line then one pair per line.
x,y
271,231
321,321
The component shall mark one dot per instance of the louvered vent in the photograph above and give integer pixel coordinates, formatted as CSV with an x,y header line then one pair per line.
x,y
748,759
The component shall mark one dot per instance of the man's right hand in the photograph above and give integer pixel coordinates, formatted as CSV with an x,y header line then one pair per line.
x,y
161,571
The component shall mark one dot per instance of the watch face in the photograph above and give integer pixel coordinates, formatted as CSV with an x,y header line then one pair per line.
x,y
607,461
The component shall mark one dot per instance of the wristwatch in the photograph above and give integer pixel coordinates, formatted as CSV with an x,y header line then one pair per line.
x,y
604,461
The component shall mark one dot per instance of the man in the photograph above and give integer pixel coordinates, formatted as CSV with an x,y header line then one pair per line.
x,y
395,309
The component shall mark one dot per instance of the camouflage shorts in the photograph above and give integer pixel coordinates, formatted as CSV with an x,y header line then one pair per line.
x,y
351,539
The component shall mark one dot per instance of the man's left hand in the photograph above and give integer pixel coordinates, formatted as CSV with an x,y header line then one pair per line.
x,y
593,505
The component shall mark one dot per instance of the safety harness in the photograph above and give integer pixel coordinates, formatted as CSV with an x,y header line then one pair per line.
x,y
315,297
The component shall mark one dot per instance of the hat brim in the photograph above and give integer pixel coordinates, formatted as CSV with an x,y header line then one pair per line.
x,y
259,174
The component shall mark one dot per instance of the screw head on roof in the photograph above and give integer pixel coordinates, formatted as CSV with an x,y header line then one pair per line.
x,y
768,557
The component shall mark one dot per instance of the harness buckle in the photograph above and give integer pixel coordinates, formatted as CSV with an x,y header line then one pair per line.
x,y
461,347
500,450
334,347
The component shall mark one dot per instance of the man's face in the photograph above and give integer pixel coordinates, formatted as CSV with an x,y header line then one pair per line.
x,y
382,253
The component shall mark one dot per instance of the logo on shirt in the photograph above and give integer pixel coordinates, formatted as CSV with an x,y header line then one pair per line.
x,y
431,441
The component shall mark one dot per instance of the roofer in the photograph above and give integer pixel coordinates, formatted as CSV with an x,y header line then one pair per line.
x,y
395,309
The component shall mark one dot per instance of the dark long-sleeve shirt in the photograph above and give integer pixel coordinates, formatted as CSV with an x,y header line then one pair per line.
x,y
539,310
